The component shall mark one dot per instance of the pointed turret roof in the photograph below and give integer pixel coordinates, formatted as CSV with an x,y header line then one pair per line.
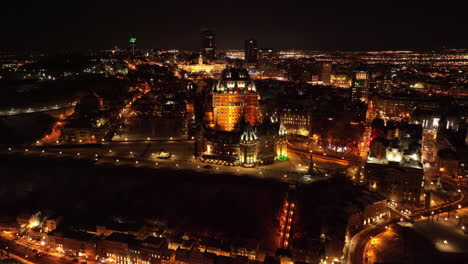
x,y
282,129
249,134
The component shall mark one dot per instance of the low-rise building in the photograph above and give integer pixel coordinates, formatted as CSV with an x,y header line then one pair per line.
x,y
52,222
297,122
74,243
82,131
393,167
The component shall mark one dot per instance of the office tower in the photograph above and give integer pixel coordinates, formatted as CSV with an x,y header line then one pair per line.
x,y
132,43
325,72
251,51
208,44
360,86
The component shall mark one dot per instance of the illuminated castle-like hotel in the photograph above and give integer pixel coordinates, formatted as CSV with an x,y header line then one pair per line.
x,y
237,136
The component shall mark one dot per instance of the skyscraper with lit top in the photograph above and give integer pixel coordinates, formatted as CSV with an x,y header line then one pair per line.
x,y
360,85
132,43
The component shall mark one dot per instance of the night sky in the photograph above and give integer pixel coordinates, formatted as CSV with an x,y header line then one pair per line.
x,y
329,25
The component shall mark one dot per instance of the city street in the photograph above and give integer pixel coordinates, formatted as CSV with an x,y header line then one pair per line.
x,y
30,110
144,153
358,243
449,233
26,255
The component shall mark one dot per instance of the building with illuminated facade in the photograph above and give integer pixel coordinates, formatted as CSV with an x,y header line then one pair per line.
x,y
297,122
202,67
360,86
393,167
340,80
237,136
234,97
235,54
401,105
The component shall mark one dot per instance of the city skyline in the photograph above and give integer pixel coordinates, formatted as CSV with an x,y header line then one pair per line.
x,y
215,132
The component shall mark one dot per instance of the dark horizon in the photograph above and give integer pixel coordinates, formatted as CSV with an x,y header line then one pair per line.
x,y
339,25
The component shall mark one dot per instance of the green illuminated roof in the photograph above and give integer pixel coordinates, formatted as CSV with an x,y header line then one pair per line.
x,y
132,40
282,158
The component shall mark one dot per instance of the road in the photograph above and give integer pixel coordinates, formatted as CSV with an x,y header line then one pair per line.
x,y
452,228
26,255
358,243
144,153
30,110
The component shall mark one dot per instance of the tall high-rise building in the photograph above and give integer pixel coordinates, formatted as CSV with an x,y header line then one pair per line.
x,y
132,43
234,98
208,44
325,72
360,86
251,51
